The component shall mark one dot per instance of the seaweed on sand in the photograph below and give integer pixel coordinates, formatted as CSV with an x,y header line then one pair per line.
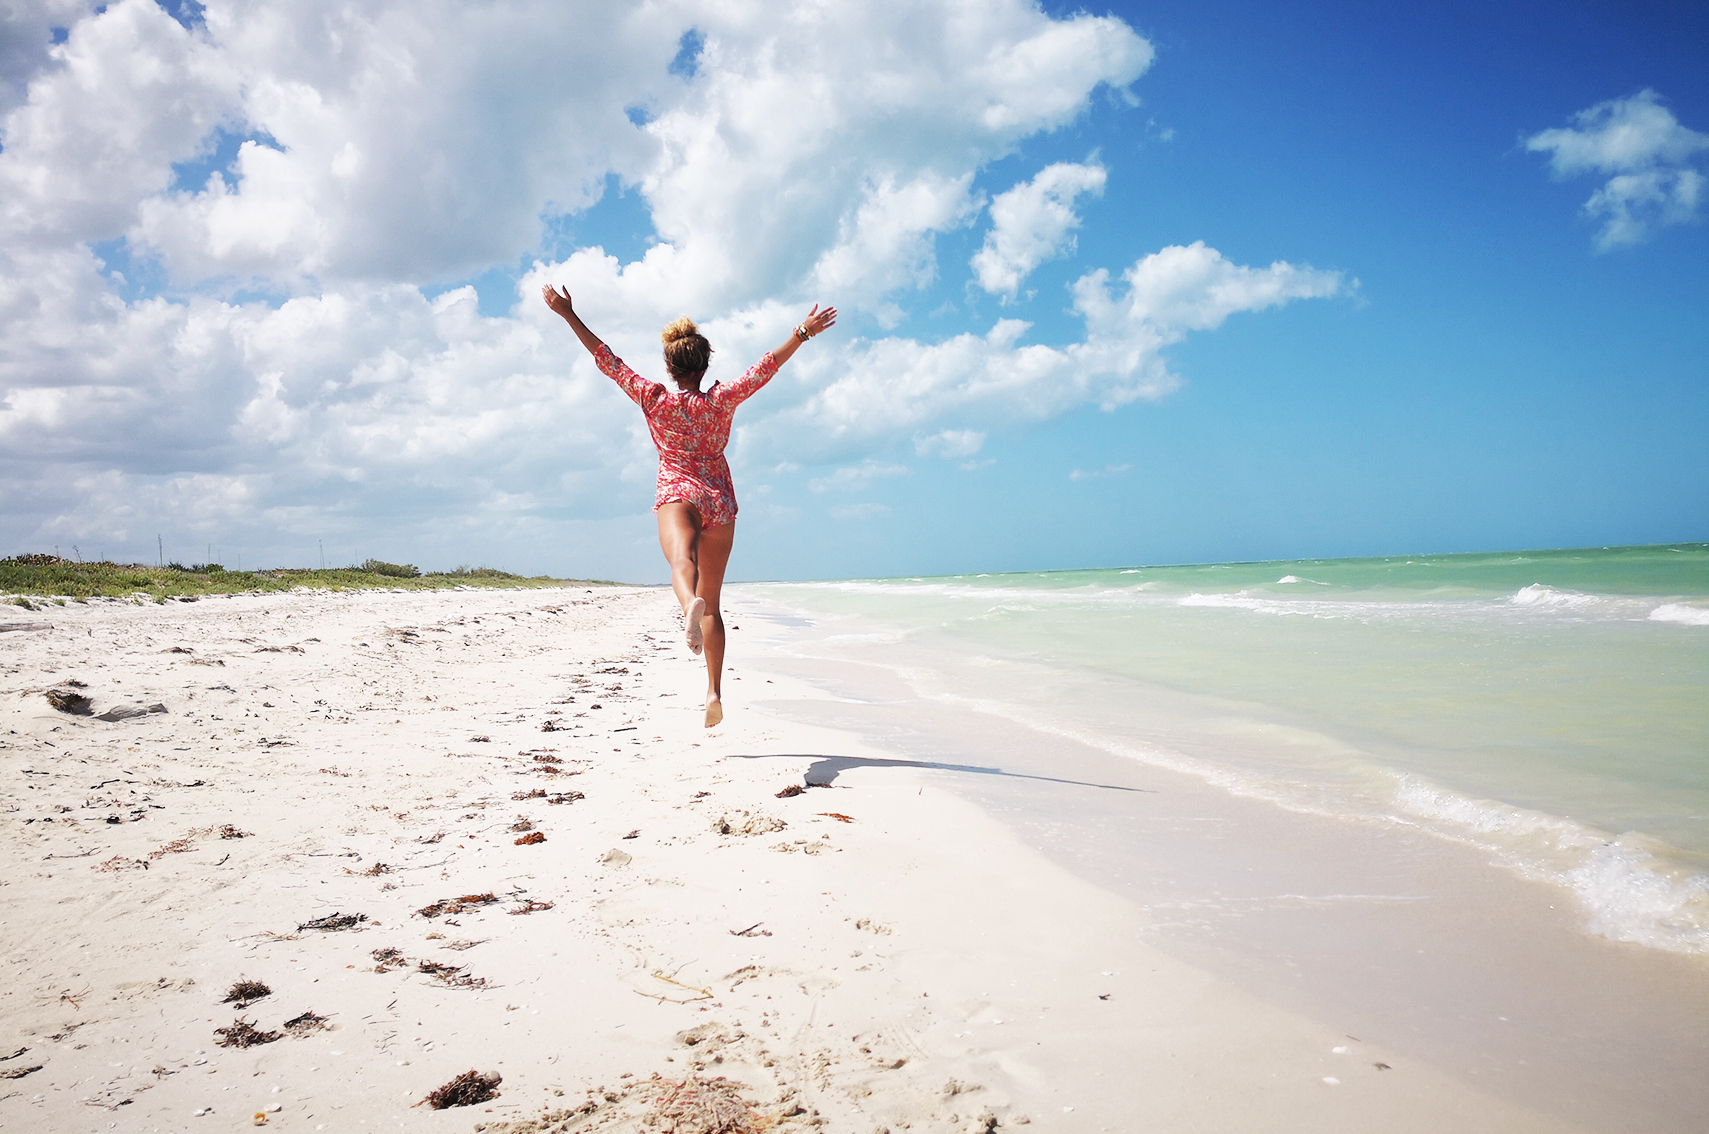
x,y
246,992
467,1089
452,976
335,921
705,1106
456,905
306,1023
67,701
242,1033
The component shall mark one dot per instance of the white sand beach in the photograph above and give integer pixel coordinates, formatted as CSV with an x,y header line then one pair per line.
x,y
875,954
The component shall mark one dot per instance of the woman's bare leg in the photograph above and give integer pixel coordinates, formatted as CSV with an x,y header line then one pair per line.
x,y
714,557
679,539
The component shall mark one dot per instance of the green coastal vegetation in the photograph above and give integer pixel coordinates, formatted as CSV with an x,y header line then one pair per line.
x,y
30,580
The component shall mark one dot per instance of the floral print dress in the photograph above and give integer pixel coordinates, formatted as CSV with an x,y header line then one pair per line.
x,y
691,429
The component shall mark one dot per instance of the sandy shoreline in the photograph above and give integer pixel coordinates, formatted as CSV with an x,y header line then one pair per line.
x,y
914,967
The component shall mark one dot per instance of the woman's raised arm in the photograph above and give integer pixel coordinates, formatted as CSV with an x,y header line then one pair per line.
x,y
560,302
816,323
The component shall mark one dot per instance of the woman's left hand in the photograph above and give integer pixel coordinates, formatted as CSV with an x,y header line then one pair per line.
x,y
557,301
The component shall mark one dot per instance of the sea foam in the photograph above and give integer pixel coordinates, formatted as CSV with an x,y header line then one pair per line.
x,y
1682,613
1540,594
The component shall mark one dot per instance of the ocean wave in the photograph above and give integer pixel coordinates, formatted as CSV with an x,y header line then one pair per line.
x,y
1541,594
1240,600
1362,610
1626,890
1682,613
1533,602
1425,800
1632,896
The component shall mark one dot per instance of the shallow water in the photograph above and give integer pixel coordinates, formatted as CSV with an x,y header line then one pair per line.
x,y
1549,707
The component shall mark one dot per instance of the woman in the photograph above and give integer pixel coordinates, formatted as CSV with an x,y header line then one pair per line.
x,y
696,503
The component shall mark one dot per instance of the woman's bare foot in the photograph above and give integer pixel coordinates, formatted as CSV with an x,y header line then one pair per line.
x,y
696,612
714,711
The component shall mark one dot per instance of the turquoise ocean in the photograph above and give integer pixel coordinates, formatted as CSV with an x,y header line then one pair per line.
x,y
1550,708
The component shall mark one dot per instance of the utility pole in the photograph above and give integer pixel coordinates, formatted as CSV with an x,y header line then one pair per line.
x,y
160,550
322,547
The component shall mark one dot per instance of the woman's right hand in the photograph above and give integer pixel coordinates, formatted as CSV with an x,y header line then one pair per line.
x,y
819,321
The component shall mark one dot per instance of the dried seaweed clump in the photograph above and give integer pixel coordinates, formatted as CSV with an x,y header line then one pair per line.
x,y
388,958
176,846
537,793
456,905
242,1033
467,1089
306,1023
530,840
227,831
335,921
246,992
523,823
452,976
67,701
704,1106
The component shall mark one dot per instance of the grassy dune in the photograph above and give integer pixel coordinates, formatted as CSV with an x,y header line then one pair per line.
x,y
27,580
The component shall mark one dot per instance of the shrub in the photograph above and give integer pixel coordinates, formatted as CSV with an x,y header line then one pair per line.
x,y
395,570
467,572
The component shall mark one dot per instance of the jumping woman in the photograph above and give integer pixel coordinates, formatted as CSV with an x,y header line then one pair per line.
x,y
696,501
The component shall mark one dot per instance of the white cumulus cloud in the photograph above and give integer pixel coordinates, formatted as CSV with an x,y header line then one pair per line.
x,y
950,443
897,386
857,478
1646,153
287,183
1032,223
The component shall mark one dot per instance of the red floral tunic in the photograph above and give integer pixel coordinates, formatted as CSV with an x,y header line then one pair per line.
x,y
691,429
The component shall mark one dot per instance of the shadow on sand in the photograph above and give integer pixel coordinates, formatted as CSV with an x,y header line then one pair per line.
x,y
824,769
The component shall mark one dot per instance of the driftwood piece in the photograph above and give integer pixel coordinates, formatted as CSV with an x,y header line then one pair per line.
x,y
128,712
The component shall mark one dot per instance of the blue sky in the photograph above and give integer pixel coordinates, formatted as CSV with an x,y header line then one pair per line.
x,y
1355,302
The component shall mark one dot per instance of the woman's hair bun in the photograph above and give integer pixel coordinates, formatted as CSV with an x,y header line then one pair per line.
x,y
681,329
687,352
